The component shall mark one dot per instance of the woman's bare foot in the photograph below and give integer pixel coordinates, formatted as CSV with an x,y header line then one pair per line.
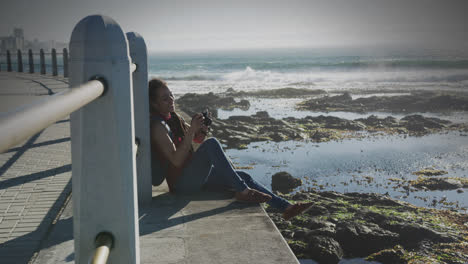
x,y
252,196
296,209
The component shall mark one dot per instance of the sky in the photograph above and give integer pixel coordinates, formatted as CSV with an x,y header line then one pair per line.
x,y
179,25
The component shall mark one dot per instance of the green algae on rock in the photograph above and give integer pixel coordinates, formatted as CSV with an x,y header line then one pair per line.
x,y
430,172
445,183
373,225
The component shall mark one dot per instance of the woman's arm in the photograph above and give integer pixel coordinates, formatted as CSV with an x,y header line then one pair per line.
x,y
161,140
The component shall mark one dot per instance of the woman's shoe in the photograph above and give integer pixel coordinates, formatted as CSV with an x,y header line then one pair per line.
x,y
252,196
296,209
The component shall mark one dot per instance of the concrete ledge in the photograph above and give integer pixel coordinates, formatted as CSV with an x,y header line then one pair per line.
x,y
202,228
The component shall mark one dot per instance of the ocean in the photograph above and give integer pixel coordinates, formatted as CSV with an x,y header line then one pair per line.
x,y
332,70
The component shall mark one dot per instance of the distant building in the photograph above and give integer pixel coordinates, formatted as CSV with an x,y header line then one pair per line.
x,y
13,42
18,42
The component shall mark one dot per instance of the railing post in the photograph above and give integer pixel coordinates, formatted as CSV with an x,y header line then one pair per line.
x,y
54,62
65,62
102,141
31,62
9,61
43,68
138,53
20,61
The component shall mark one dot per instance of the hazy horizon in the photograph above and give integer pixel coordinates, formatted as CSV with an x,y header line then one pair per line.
x,y
226,25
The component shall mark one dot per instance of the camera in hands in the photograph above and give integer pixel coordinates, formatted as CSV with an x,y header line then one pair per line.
x,y
207,121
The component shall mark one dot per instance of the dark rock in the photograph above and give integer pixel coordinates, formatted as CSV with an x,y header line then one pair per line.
x,y
287,233
192,103
373,199
328,231
430,172
375,121
419,122
395,255
412,233
282,92
261,115
284,182
314,223
437,183
299,248
416,102
324,249
362,239
320,136
278,137
317,210
241,119
301,234
300,196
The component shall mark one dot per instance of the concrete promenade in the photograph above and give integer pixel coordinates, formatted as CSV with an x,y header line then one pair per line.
x,y
36,210
35,176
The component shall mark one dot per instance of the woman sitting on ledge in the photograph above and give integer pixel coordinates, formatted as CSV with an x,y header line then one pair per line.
x,y
187,171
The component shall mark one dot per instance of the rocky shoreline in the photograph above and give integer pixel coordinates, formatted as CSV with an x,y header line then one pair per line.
x,y
374,227
239,131
418,101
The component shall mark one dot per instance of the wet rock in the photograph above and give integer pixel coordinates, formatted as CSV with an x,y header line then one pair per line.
x,y
412,233
375,121
284,182
439,183
261,115
282,93
321,136
328,230
416,102
192,103
362,239
394,255
317,210
301,234
373,199
300,196
299,248
421,124
324,249
317,224
430,172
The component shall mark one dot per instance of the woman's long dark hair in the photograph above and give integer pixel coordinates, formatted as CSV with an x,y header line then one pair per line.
x,y
176,122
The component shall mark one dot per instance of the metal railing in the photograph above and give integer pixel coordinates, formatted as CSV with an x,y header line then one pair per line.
x,y
28,120
31,69
108,72
104,244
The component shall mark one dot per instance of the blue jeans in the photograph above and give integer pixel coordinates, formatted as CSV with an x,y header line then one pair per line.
x,y
210,168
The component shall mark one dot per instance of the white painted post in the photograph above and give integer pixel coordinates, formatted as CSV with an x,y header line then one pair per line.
x,y
102,138
139,56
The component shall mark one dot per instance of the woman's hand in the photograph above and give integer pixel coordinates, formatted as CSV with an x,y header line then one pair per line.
x,y
197,123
